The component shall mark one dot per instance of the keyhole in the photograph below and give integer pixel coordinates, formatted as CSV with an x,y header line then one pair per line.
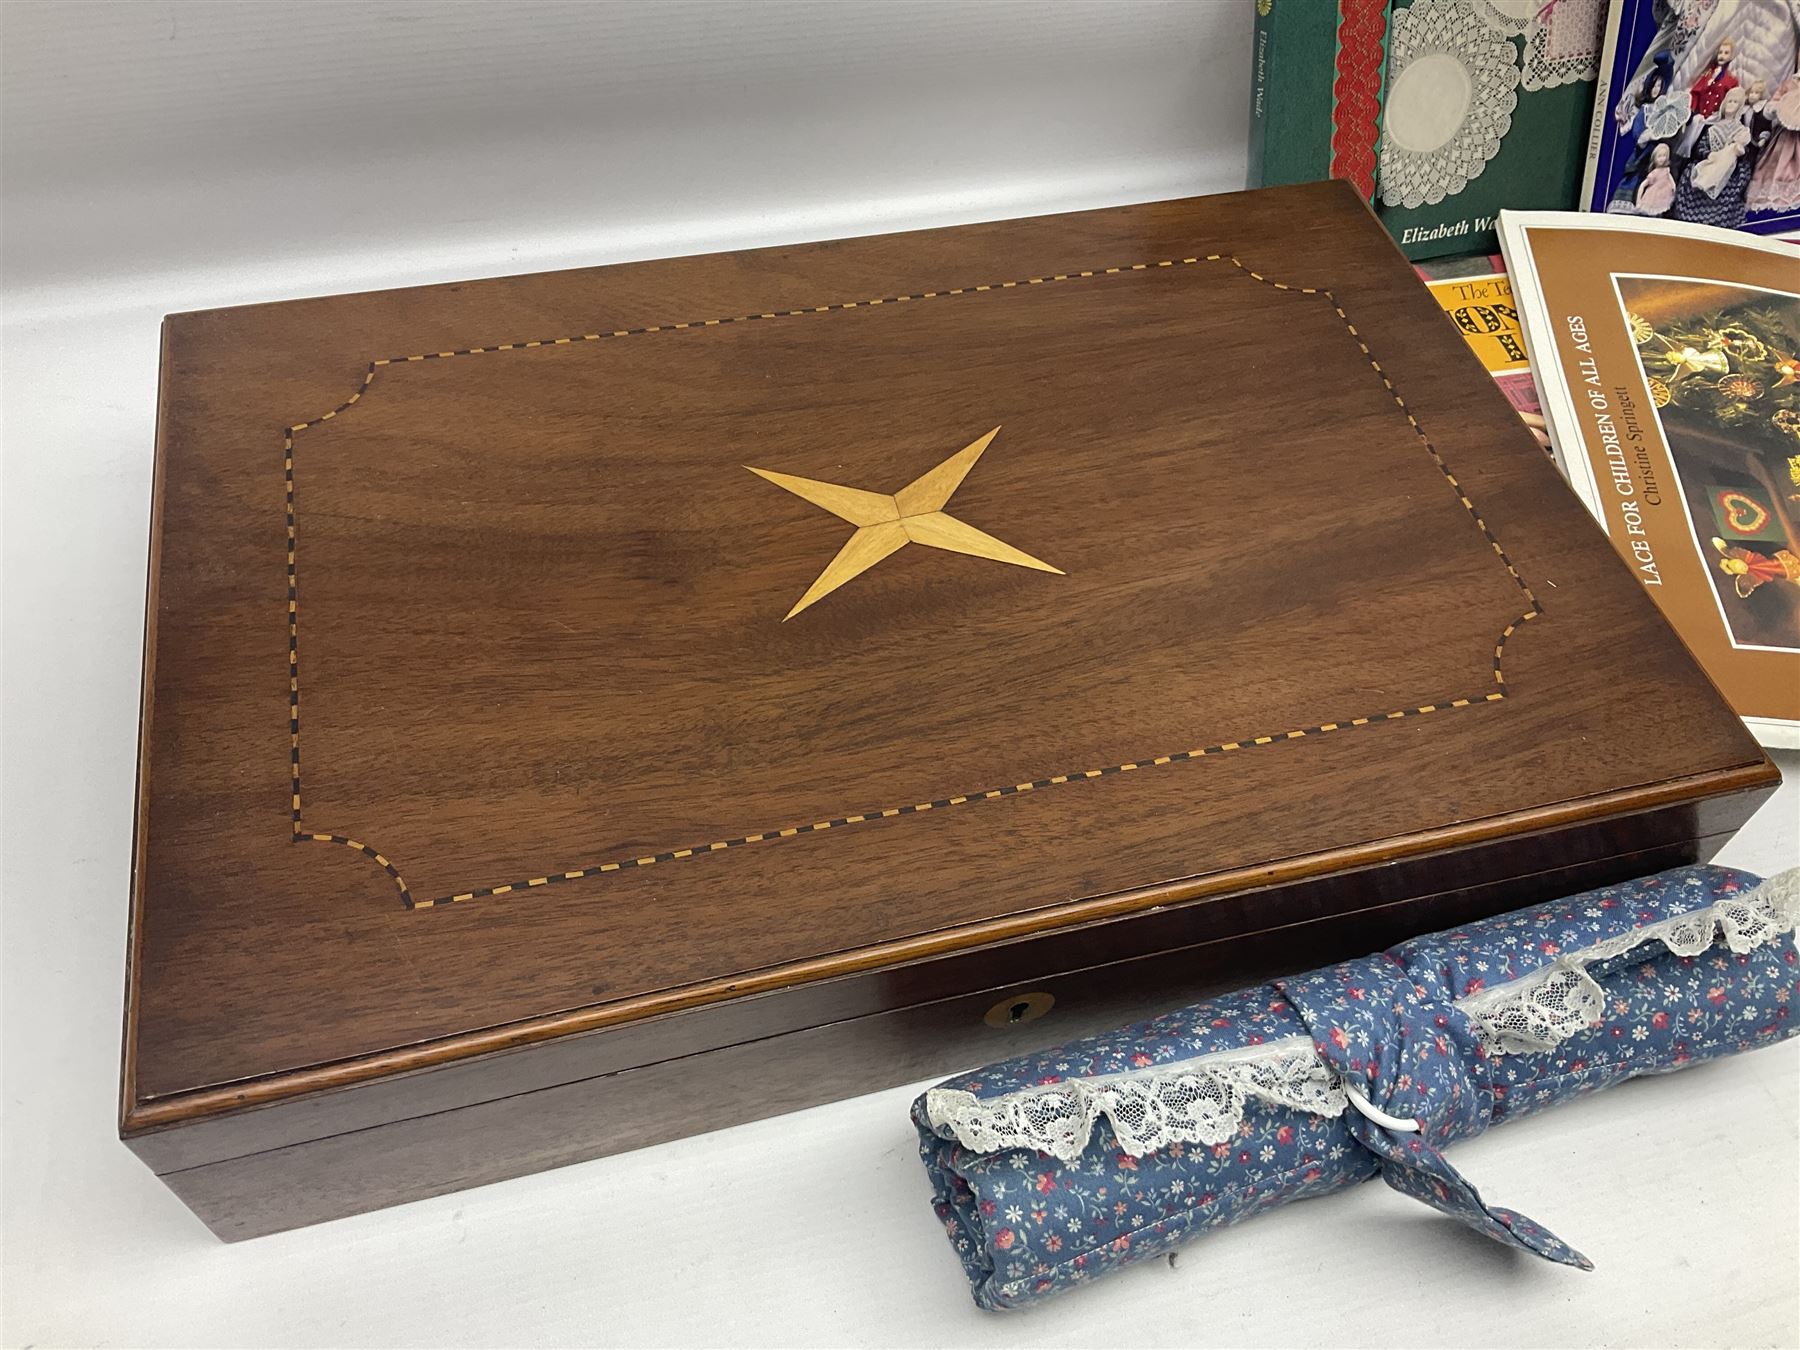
x,y
1018,1009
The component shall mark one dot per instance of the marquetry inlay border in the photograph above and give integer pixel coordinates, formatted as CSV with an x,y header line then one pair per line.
x,y
1493,692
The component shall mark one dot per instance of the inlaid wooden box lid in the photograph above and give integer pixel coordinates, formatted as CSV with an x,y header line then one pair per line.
x,y
547,654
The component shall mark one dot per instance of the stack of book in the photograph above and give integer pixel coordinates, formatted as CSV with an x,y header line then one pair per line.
x,y
1445,112
1653,347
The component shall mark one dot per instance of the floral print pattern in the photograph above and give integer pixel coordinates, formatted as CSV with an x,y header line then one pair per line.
x,y
1026,1224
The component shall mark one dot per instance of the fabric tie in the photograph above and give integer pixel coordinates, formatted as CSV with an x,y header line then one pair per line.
x,y
1415,1057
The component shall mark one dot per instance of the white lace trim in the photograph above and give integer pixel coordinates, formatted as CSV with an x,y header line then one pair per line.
x,y
1546,1007
1198,1101
1510,18
1201,1100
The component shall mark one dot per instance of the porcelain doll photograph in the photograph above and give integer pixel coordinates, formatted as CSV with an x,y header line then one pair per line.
x,y
1657,117
1712,190
1657,192
1688,73
1775,181
1707,94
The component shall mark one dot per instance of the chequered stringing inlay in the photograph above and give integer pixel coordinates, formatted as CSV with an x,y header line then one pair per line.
x,y
1493,694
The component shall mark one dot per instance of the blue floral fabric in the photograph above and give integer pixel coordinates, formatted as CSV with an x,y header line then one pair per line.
x,y
1027,1223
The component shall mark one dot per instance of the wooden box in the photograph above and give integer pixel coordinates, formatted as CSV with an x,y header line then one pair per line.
x,y
588,708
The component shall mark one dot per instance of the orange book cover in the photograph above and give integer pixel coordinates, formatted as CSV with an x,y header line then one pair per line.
x,y
1668,360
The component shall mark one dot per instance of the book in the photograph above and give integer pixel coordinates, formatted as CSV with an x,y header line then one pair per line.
x,y
1439,111
1668,358
1697,115
1477,297
1315,93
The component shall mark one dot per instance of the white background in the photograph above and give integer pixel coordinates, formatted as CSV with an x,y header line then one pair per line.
x,y
161,157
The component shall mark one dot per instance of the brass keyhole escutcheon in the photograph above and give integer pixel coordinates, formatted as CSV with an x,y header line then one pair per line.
x,y
1017,1009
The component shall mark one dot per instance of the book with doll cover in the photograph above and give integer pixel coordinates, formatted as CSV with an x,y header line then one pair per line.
x,y
1697,114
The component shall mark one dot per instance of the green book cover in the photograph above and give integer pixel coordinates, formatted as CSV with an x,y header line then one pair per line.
x,y
1315,91
1486,105
1443,112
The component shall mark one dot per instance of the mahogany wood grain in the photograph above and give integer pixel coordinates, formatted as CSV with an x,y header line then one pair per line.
x,y
561,1121
486,749
247,1118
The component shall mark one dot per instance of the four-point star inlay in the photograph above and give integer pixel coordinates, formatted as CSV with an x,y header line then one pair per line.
x,y
913,515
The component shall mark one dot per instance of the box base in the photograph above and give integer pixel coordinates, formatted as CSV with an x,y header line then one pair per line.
x,y
363,1170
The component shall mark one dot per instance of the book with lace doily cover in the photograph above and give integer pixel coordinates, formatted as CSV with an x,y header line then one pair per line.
x,y
587,708
1440,111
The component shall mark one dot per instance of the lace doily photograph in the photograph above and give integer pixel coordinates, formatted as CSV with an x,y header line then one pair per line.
x,y
1562,38
1466,80
1453,79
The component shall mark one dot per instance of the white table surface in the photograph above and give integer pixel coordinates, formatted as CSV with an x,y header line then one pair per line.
x,y
812,1229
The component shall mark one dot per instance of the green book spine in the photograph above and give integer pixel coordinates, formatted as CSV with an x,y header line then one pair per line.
x,y
1259,92
1293,48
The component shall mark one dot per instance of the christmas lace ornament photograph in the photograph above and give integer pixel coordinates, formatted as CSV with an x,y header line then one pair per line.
x,y
1054,1168
1668,358
1726,357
